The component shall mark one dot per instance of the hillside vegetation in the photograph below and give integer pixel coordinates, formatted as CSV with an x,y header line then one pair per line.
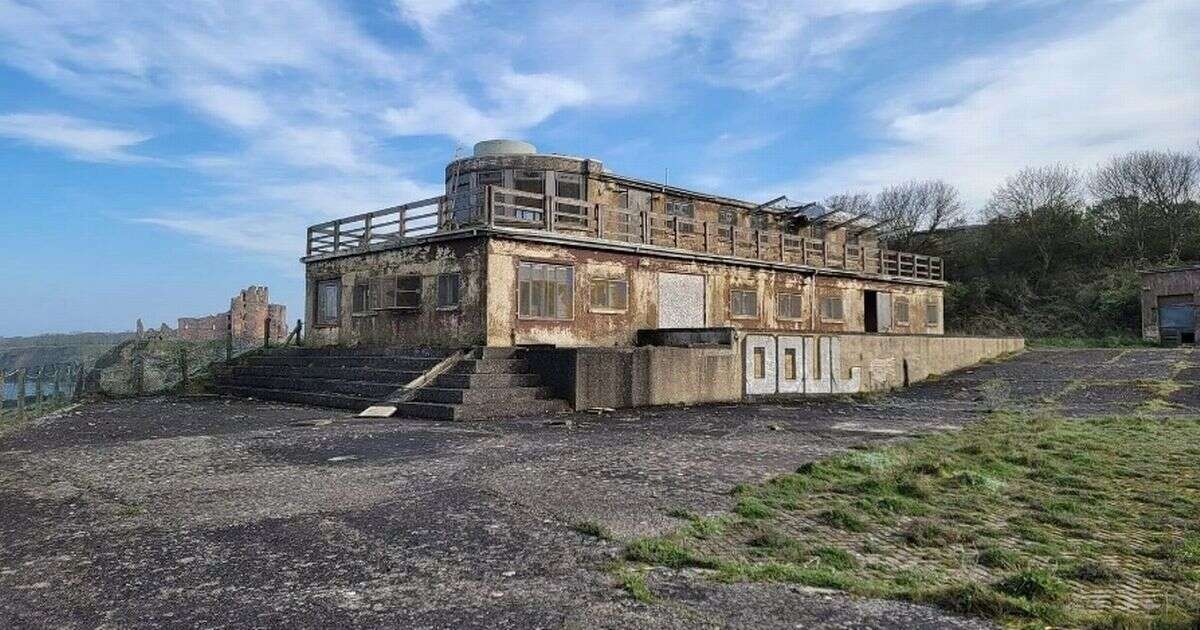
x,y
1058,251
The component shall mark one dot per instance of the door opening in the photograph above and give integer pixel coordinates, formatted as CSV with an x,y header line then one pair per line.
x,y
870,311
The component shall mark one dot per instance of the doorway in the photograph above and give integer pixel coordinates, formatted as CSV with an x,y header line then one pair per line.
x,y
871,311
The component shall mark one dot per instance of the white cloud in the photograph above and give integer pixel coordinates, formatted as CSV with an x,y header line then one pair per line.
x,y
1129,82
82,139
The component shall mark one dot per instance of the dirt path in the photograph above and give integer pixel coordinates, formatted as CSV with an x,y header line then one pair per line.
x,y
213,512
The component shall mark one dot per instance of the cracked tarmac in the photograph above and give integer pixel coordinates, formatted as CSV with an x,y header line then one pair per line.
x,y
187,512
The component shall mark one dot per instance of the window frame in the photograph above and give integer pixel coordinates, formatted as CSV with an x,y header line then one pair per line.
x,y
799,297
608,282
733,291
318,320
897,301
437,301
570,284
936,305
841,300
364,285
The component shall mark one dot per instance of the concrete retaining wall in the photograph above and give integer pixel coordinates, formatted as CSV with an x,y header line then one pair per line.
x,y
823,364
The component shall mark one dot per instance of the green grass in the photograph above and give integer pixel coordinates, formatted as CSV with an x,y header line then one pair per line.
x,y
1111,341
1007,519
591,528
634,583
11,419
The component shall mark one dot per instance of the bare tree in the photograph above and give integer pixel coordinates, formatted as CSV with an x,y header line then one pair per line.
x,y
1148,198
1056,186
852,204
1040,210
916,210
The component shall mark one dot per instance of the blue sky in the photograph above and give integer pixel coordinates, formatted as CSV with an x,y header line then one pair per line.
x,y
157,156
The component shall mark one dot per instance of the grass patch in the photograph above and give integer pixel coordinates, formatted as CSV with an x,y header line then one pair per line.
x,y
1005,519
634,583
592,528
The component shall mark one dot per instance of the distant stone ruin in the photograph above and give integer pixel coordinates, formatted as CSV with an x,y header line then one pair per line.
x,y
247,314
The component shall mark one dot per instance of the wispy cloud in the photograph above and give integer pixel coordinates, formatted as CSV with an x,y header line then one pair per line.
x,y
1126,82
81,139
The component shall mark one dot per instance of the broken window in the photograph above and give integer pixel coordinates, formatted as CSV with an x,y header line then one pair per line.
x,y
789,364
900,306
933,312
361,299
568,185
682,210
329,302
545,291
448,290
789,306
727,215
610,294
489,178
831,308
398,292
743,303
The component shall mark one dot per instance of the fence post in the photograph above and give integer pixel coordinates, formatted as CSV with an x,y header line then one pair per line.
x,y
183,370
267,333
21,391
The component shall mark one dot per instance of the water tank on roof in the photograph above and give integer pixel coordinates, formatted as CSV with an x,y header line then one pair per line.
x,y
503,147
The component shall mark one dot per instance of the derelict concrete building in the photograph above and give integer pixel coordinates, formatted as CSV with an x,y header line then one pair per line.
x,y
618,291
1169,298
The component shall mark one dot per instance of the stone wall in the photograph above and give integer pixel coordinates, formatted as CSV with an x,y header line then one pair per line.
x,y
248,310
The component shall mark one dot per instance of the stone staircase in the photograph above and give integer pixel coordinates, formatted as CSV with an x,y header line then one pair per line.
x,y
489,382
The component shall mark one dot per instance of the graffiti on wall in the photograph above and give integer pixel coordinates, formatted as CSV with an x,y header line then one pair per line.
x,y
793,364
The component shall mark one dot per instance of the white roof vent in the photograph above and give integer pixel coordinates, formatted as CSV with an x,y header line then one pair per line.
x,y
503,147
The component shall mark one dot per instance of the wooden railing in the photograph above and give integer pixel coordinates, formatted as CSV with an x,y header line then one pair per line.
x,y
507,207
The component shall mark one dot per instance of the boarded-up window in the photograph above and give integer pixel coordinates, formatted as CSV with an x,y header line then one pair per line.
x,y
789,364
743,303
610,294
790,306
933,312
329,302
448,290
361,302
900,305
760,362
831,308
545,291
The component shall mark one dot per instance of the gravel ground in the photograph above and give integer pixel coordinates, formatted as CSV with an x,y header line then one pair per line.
x,y
186,512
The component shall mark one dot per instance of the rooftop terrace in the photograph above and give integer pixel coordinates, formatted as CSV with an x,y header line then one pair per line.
x,y
504,209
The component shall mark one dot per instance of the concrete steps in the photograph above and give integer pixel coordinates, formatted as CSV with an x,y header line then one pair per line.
x,y
489,383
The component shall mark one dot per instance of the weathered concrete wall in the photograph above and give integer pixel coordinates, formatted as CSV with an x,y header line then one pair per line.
x,y
589,328
885,359
427,325
634,377
1173,282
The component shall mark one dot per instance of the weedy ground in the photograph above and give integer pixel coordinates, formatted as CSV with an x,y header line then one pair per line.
x,y
1026,519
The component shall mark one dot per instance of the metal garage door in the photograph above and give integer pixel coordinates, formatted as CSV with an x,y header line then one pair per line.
x,y
680,300
1177,313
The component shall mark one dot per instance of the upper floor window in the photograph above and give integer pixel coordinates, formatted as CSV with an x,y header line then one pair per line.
x,y
790,306
361,299
610,294
727,215
448,285
933,312
545,291
568,185
831,308
530,181
489,178
329,302
900,306
743,303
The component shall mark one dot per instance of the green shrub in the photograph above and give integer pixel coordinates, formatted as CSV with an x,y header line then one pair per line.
x,y
1034,585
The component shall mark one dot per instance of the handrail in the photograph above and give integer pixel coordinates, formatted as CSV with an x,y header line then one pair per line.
x,y
513,208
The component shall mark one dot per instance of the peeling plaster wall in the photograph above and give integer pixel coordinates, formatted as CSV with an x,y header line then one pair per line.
x,y
587,328
428,325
